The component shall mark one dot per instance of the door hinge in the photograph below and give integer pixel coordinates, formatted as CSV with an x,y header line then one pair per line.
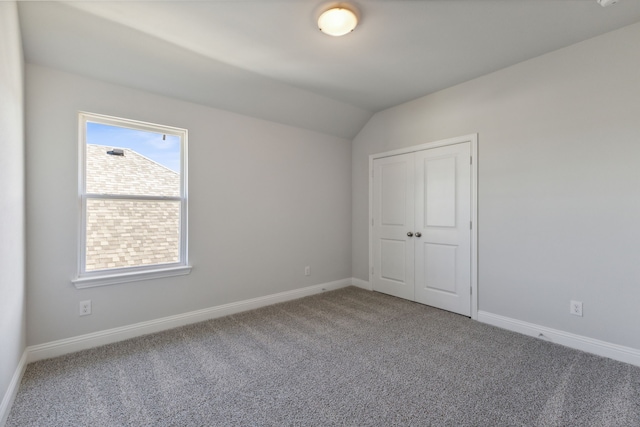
x,y
372,222
470,225
470,160
470,291
372,271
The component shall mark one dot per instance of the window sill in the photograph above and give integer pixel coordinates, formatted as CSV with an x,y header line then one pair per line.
x,y
113,279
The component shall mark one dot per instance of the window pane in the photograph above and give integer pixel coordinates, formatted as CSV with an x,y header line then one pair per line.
x,y
128,161
130,233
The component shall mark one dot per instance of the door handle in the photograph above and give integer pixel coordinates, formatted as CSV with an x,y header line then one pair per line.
x,y
410,234
418,234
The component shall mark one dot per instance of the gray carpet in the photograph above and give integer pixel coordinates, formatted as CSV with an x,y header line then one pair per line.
x,y
348,357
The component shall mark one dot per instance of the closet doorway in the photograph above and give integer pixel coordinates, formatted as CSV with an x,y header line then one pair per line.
x,y
422,238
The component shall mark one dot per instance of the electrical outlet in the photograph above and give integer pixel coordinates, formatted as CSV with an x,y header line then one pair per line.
x,y
85,307
575,308
307,271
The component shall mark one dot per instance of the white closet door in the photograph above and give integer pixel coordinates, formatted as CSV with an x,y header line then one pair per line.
x,y
393,217
442,222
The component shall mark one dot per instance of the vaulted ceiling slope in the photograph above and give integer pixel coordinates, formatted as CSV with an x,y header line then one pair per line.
x,y
267,59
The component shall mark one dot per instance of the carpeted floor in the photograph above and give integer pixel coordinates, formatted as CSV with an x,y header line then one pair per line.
x,y
348,357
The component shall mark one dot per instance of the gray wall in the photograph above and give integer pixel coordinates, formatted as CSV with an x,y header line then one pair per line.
x,y
12,245
559,182
265,200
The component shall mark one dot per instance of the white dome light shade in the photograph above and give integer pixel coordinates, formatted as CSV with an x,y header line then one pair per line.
x,y
337,21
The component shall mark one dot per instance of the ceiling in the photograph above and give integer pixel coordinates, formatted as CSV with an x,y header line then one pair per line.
x,y
267,59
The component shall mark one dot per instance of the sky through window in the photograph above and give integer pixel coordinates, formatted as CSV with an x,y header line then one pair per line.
x,y
165,151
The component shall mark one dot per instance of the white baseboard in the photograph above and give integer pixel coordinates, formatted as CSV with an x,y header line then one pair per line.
x,y
579,342
12,391
83,342
361,284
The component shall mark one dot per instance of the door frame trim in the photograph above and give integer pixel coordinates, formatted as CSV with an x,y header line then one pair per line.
x,y
472,139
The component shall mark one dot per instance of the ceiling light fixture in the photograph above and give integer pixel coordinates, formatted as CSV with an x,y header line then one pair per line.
x,y
337,21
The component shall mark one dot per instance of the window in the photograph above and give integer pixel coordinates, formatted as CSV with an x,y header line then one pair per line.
x,y
133,201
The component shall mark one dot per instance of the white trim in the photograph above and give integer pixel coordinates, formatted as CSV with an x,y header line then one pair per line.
x,y
83,342
12,391
130,276
578,342
473,141
474,225
84,278
363,284
473,138
132,197
370,223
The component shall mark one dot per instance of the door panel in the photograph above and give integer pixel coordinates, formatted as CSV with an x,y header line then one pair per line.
x,y
393,214
440,267
443,217
440,192
427,194
392,257
393,185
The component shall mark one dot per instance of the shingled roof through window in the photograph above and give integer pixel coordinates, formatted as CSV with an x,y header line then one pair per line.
x,y
126,233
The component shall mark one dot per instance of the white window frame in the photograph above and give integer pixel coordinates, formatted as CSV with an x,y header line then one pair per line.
x,y
85,279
